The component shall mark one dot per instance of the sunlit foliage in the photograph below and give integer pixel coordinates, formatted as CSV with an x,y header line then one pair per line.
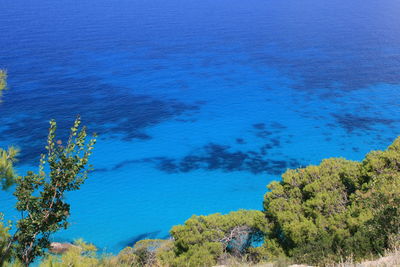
x,y
337,209
202,240
41,196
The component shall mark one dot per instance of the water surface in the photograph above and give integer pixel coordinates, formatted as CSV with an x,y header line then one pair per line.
x,y
198,104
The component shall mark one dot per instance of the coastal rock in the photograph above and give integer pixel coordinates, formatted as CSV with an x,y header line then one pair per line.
x,y
60,248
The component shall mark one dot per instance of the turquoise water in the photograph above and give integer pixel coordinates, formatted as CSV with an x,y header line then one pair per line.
x,y
198,104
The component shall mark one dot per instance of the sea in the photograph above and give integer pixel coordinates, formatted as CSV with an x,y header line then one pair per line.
x,y
198,105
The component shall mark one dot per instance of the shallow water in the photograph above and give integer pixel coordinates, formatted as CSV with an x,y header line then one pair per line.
x,y
198,104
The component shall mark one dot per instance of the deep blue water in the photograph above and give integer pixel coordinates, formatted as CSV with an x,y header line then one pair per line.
x,y
198,104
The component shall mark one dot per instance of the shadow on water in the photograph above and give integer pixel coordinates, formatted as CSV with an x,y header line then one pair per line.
x,y
214,156
105,109
133,240
351,123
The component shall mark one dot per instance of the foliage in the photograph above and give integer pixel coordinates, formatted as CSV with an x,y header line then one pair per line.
x,y
341,208
7,160
203,239
381,194
7,175
80,254
7,157
126,257
4,236
3,77
146,251
41,196
83,254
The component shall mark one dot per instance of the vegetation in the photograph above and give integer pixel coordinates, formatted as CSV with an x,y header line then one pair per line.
x,y
80,254
3,76
203,240
41,195
322,214
7,160
319,215
7,157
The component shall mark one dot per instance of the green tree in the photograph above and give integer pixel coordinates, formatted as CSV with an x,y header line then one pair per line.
x,y
41,196
380,193
309,209
202,240
341,208
4,236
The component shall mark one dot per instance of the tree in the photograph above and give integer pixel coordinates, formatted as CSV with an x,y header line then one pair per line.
x,y
308,209
41,196
4,236
340,208
381,194
202,240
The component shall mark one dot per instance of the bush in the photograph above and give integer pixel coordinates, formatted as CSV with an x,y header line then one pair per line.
x,y
203,239
341,208
81,254
4,237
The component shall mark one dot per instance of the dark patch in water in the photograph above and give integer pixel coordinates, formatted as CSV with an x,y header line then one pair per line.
x,y
219,157
266,159
105,109
100,170
264,134
166,237
124,163
240,141
277,125
259,126
265,131
351,122
133,240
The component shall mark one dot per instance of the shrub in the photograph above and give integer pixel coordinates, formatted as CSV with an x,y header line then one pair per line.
x,y
146,251
81,254
203,239
4,237
341,208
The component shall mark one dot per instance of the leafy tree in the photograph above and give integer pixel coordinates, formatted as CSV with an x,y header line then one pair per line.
x,y
309,209
41,196
341,208
202,240
381,194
